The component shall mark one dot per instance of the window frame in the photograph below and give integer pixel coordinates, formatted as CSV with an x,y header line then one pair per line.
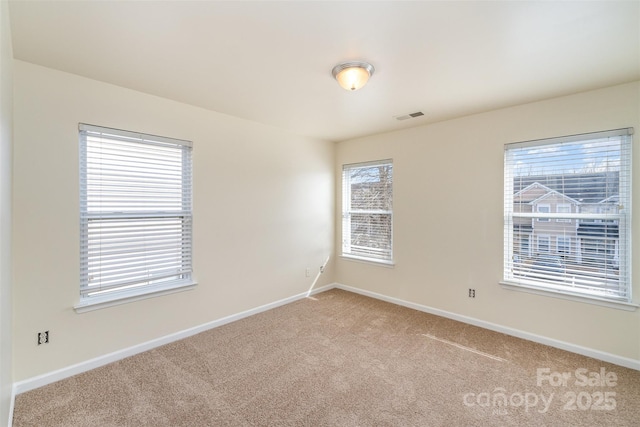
x,y
546,237
563,206
566,244
596,293
525,248
543,205
348,212
164,210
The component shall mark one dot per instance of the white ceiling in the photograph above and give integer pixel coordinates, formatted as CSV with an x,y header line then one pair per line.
x,y
271,62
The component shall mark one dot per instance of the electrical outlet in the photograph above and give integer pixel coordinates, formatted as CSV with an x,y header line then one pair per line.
x,y
43,337
472,293
307,272
321,269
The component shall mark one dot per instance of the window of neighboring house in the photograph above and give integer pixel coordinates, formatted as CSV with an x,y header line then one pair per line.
x,y
135,214
543,208
563,245
592,259
525,245
544,243
563,208
367,213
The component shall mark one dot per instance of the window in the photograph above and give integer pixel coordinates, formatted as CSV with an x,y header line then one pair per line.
x,y
135,214
588,179
544,208
563,208
524,246
367,215
563,245
544,242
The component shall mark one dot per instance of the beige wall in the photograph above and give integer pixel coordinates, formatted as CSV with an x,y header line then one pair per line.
x,y
263,213
6,125
448,218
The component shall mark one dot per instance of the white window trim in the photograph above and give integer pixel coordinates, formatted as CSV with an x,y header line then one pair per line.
x,y
595,300
382,263
122,296
346,224
623,218
97,303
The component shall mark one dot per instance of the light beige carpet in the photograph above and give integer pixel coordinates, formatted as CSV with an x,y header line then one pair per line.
x,y
341,359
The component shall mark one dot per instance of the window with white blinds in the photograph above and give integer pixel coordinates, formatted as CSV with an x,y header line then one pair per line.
x,y
571,195
135,213
367,214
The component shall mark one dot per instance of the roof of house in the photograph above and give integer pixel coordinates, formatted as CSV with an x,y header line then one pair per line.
x,y
587,187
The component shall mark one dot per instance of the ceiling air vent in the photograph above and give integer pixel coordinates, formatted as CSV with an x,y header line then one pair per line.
x,y
410,116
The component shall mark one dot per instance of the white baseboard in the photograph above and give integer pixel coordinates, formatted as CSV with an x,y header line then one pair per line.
x,y
60,374
585,351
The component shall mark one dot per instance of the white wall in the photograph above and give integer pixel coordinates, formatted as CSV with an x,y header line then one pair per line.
x,y
6,124
263,213
448,218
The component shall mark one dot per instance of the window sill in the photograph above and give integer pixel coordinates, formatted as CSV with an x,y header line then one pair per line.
x,y
619,305
378,262
97,303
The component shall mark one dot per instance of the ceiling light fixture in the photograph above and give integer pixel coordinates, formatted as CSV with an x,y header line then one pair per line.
x,y
352,75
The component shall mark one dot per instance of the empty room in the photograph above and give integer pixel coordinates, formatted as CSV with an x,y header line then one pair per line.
x,y
319,213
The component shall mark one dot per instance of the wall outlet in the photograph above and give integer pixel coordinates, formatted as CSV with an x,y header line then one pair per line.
x,y
307,272
321,269
43,337
472,293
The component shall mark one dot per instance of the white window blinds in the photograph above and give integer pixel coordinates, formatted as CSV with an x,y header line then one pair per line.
x,y
135,212
367,215
573,196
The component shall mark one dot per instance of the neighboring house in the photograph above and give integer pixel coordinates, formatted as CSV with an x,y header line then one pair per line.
x,y
539,236
578,242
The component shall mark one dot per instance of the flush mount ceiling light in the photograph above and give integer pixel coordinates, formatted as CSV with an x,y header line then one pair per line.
x,y
352,75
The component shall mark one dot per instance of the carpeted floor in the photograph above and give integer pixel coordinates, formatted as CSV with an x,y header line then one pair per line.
x,y
341,359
